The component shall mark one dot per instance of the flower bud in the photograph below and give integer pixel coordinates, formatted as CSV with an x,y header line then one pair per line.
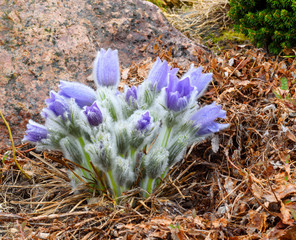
x,y
124,175
131,97
72,149
101,154
35,132
141,129
122,139
177,148
57,104
94,115
158,75
106,68
156,161
144,122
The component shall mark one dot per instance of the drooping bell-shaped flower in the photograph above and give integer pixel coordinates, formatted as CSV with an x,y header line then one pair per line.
x,y
205,119
57,104
131,96
197,79
158,75
144,122
106,70
178,93
94,115
35,132
83,95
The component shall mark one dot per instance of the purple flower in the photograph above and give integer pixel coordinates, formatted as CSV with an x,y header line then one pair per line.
x,y
178,93
35,132
197,79
83,95
158,75
205,119
57,104
144,122
131,96
106,68
94,115
211,127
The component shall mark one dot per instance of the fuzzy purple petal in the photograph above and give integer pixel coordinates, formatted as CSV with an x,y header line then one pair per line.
x,y
203,82
158,75
57,104
172,100
94,115
106,70
212,127
131,94
178,93
144,122
35,132
184,87
83,95
197,79
208,114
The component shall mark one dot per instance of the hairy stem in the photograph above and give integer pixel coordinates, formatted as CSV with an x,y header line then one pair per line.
x,y
112,183
87,157
166,137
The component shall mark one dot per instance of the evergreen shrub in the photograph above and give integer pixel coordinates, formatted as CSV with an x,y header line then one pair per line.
x,y
268,23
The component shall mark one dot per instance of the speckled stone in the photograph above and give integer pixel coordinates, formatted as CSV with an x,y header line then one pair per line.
x,y
42,42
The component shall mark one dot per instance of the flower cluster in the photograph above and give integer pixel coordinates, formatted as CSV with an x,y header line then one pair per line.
x,y
125,138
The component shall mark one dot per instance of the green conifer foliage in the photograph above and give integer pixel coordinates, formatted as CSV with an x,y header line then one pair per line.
x,y
268,23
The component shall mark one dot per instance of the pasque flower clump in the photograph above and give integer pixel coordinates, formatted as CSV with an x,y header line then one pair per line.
x,y
124,139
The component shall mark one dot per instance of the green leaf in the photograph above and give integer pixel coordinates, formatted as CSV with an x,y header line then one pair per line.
x,y
5,156
286,178
289,56
172,226
288,159
284,83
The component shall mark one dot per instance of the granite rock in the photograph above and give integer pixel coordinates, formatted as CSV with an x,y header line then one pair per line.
x,y
43,42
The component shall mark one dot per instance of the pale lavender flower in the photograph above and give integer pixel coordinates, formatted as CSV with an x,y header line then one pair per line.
x,y
158,75
106,70
57,104
197,79
94,115
131,96
205,119
144,122
35,132
83,95
178,93
211,127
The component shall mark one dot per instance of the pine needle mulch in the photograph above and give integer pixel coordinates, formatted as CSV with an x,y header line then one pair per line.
x,y
246,190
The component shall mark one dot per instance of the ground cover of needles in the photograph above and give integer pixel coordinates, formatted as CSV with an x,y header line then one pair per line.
x,y
246,190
